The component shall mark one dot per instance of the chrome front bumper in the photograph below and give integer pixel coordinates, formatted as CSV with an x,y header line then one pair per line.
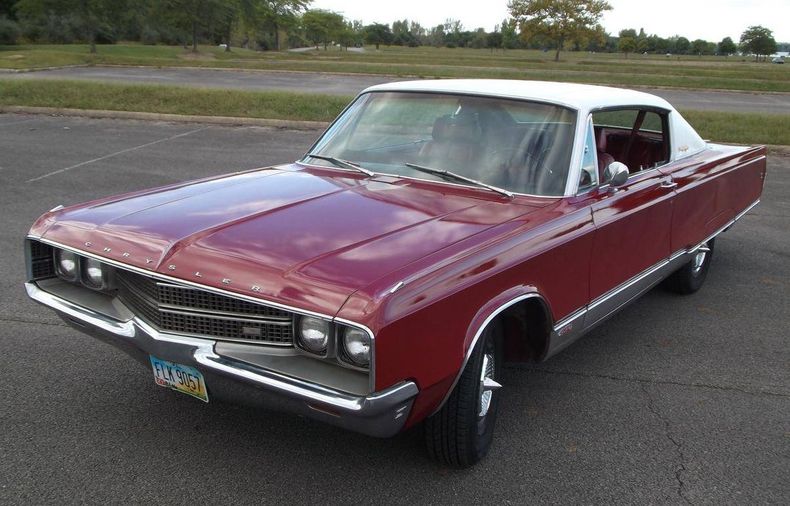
x,y
380,414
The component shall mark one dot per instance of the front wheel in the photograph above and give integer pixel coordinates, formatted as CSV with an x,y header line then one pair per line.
x,y
689,278
460,433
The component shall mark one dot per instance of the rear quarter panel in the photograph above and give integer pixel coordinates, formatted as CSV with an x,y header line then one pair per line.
x,y
713,188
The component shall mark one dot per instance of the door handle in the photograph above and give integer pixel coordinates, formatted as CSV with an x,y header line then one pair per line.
x,y
669,184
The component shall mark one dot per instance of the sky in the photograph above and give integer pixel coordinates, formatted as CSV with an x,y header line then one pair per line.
x,y
692,19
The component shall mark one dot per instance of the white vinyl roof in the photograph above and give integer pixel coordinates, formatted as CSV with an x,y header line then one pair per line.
x,y
583,97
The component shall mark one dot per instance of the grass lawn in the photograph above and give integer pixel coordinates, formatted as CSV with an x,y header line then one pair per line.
x,y
171,100
717,126
730,73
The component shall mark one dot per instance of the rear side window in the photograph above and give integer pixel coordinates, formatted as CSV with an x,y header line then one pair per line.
x,y
639,138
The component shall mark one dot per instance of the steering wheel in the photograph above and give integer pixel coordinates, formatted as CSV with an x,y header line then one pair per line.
x,y
518,168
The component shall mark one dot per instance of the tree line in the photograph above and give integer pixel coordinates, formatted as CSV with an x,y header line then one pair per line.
x,y
276,24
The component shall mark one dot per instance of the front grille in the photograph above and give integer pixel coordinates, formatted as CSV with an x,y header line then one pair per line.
x,y
42,261
184,310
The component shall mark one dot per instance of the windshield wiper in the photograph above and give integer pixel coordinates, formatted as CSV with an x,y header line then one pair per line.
x,y
458,177
343,164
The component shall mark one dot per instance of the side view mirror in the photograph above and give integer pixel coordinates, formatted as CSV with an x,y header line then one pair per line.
x,y
616,174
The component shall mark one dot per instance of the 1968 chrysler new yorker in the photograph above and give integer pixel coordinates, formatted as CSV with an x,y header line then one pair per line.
x,y
434,232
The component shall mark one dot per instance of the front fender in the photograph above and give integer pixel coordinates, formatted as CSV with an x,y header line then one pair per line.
x,y
483,317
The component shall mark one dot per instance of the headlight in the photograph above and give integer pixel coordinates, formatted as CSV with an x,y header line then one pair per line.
x,y
66,264
356,344
93,275
313,334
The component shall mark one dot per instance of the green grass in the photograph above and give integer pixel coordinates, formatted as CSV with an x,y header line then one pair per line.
x,y
733,73
717,126
170,100
741,128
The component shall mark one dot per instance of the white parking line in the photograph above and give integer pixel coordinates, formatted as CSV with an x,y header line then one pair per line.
x,y
59,171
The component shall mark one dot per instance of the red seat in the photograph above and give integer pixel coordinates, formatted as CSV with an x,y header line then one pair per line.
x,y
604,160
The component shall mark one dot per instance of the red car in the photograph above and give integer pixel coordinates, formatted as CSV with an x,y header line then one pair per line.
x,y
435,231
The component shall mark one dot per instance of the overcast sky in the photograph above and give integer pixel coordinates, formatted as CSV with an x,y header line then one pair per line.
x,y
693,19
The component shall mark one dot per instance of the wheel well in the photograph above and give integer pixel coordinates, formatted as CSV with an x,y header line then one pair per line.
x,y
525,330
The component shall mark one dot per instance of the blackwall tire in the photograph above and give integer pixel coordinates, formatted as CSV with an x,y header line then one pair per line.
x,y
689,278
460,434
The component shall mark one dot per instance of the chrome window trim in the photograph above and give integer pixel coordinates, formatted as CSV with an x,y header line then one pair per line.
x,y
583,191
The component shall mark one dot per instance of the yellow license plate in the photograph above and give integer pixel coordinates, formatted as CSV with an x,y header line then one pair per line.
x,y
180,378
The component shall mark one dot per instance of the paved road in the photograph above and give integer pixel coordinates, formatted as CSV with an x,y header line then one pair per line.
x,y
677,399
351,85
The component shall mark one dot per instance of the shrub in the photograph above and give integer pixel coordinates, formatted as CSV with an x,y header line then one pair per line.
x,y
149,36
9,31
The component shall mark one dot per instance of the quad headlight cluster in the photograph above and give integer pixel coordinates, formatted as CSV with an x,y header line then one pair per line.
x,y
349,345
74,268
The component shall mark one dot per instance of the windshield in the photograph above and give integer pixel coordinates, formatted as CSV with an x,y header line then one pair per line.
x,y
523,147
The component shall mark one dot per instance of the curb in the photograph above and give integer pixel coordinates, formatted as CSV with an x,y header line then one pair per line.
x,y
173,118
38,69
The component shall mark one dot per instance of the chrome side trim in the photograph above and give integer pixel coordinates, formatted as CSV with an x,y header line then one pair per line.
x,y
397,286
568,319
567,331
607,304
625,286
478,333
716,233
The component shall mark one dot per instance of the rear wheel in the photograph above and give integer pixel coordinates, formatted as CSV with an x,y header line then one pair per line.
x,y
460,434
689,278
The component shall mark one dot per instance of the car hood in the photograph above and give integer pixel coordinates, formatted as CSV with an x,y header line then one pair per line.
x,y
305,237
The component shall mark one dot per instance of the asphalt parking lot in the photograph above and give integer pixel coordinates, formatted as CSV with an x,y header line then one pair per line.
x,y
675,400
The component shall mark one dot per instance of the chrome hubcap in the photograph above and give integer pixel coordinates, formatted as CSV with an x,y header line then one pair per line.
x,y
487,384
699,259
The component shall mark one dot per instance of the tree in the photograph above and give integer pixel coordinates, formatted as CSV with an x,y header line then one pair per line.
x,y
727,46
699,47
558,20
626,44
377,34
509,29
494,39
323,26
681,45
192,15
758,40
279,13
91,15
